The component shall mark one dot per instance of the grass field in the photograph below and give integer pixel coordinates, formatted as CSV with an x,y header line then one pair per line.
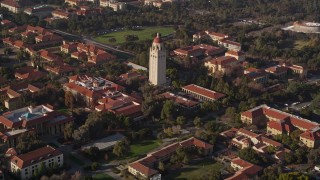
x,y
143,34
194,171
142,147
299,44
102,177
137,150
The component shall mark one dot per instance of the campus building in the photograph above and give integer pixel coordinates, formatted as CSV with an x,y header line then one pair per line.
x,y
146,167
42,119
221,64
202,93
26,165
279,122
88,90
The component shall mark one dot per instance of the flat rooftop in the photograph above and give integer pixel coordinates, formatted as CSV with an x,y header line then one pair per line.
x,y
27,113
104,143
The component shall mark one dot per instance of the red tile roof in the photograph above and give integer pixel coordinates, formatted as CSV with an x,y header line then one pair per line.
x,y
223,60
36,156
203,92
247,133
218,34
230,42
181,100
144,169
311,135
235,53
271,142
241,163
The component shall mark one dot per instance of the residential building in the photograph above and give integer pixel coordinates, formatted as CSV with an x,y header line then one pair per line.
x,y
12,96
202,93
296,69
157,62
221,64
239,55
26,165
7,24
242,138
184,101
89,90
73,2
39,11
92,53
244,169
113,4
28,73
216,36
198,50
146,167
59,14
10,138
15,6
43,119
222,39
60,68
280,122
68,48
256,75
198,36
119,104
134,75
279,72
100,57
230,45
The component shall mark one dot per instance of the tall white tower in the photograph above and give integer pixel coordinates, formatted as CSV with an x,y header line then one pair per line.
x,y
157,62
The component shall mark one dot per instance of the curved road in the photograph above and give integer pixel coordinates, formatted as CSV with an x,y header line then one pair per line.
x,y
91,41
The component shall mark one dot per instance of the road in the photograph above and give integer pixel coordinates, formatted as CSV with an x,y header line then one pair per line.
x,y
89,40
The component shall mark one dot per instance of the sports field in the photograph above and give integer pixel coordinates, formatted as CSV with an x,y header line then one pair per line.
x,y
143,34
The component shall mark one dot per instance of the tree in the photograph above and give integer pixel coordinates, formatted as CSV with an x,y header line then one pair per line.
x,y
7,51
250,155
289,158
81,134
293,175
68,131
197,122
121,148
77,176
167,110
313,157
161,166
69,99
28,141
186,159
181,120
315,104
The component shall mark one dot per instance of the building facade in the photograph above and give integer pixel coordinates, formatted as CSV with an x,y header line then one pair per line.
x,y
26,165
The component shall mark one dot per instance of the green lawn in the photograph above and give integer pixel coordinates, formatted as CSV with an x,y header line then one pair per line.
x,y
299,44
194,171
143,34
102,177
141,148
